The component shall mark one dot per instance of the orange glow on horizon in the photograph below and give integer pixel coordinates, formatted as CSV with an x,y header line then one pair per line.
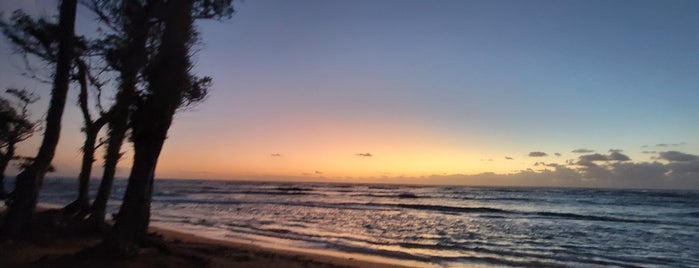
x,y
329,151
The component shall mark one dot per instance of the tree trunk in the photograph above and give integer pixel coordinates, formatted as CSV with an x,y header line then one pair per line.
x,y
152,119
132,221
28,182
117,133
4,161
82,204
133,61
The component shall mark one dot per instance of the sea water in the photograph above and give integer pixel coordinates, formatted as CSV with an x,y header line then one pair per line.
x,y
446,226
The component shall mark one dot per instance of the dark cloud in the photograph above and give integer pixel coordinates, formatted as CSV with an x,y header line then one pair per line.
x,y
544,164
508,158
617,156
311,174
585,163
687,167
675,156
615,174
582,151
593,157
537,154
588,160
615,150
557,154
670,144
364,154
275,155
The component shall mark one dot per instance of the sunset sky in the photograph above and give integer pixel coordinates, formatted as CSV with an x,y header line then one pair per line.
x,y
542,93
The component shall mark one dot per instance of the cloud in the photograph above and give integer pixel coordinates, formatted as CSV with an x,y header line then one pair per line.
x,y
557,154
318,172
670,144
275,155
684,167
588,160
537,154
544,164
617,156
593,157
627,174
670,170
364,154
508,158
608,174
615,150
675,156
582,151
648,152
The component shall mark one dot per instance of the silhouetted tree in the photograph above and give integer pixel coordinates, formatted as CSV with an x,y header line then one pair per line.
x,y
15,127
39,38
168,78
91,129
28,182
136,28
169,86
125,51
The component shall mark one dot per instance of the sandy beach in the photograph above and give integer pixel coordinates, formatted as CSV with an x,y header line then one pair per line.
x,y
58,244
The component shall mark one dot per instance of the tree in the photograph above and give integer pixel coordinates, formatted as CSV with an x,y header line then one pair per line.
x,y
136,28
170,86
168,78
126,52
91,128
28,182
15,127
39,38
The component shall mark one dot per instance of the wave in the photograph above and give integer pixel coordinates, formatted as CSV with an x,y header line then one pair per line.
x,y
405,195
274,193
453,209
574,216
489,210
693,214
293,189
520,199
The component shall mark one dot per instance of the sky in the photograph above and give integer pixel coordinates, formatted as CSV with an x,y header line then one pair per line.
x,y
525,93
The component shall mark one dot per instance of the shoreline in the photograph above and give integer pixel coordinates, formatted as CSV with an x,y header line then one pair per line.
x,y
58,247
334,258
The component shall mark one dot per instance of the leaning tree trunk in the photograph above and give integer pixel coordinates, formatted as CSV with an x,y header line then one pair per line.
x,y
117,133
28,182
4,161
80,206
151,120
133,61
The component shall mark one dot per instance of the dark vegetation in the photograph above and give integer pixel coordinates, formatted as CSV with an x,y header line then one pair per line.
x,y
15,127
144,50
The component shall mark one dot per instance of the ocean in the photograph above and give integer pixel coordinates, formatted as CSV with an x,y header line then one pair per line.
x,y
442,226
